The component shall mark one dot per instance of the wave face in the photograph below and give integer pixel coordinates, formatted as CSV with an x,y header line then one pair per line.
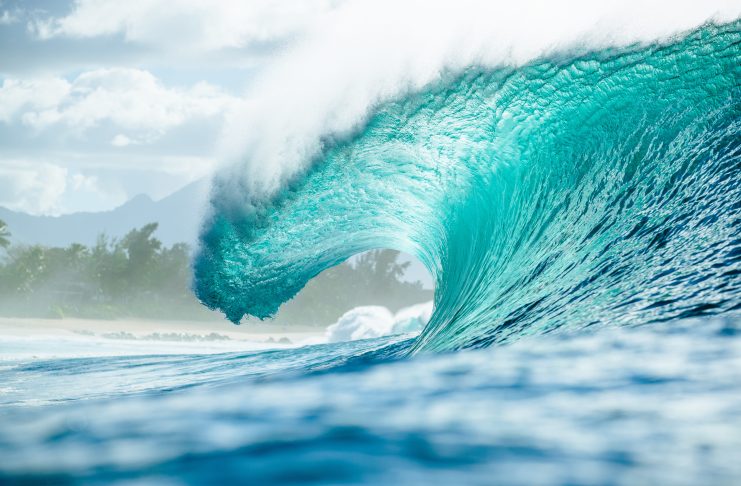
x,y
569,193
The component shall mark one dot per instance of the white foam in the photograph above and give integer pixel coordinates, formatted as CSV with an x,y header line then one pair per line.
x,y
361,53
373,321
364,322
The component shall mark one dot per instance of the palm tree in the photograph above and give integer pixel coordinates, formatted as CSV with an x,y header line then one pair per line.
x,y
4,235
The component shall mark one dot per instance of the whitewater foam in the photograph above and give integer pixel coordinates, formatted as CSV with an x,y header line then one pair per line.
x,y
374,321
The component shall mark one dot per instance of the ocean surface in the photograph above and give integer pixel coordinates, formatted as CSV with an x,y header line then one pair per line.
x,y
655,404
581,218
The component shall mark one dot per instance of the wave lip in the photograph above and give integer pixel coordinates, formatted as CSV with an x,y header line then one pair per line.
x,y
598,190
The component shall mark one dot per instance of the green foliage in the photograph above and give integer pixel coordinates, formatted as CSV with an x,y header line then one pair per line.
x,y
4,235
137,276
133,277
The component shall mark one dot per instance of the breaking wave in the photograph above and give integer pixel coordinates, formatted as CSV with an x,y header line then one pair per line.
x,y
566,193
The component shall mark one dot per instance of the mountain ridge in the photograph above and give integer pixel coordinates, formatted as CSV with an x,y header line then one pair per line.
x,y
178,215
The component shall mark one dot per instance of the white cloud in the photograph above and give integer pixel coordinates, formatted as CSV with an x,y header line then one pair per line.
x,y
33,95
131,99
50,189
121,140
33,188
187,24
8,17
84,182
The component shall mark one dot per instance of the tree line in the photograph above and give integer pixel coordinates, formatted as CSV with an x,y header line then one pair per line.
x,y
138,276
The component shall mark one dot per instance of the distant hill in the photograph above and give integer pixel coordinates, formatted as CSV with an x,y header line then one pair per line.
x,y
178,215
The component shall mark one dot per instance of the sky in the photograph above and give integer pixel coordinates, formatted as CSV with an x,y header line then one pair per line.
x,y
102,100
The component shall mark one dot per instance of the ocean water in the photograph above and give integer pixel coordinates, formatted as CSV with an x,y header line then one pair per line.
x,y
581,217
656,404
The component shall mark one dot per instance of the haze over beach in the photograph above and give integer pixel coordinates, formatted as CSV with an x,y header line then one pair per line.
x,y
370,242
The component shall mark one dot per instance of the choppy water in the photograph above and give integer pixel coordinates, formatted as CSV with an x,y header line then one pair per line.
x,y
656,404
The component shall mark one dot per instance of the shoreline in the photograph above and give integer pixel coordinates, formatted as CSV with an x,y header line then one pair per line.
x,y
141,327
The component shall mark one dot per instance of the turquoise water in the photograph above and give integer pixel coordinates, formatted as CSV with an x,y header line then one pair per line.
x,y
568,193
582,220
